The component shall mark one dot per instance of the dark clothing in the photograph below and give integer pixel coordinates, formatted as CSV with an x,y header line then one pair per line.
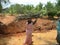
x,y
58,31
30,21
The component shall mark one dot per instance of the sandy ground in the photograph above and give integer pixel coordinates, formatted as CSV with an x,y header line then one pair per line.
x,y
46,38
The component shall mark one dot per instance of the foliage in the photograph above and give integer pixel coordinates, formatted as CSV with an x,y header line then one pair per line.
x,y
58,13
58,5
39,7
43,11
49,9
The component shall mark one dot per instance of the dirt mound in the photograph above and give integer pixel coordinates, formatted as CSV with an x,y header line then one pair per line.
x,y
16,27
43,24
20,26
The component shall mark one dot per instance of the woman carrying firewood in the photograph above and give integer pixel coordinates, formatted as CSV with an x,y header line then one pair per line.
x,y
29,30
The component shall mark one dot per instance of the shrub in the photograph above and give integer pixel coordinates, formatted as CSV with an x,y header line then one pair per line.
x,y
58,13
51,14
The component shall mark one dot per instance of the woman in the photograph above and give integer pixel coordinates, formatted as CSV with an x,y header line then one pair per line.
x,y
29,30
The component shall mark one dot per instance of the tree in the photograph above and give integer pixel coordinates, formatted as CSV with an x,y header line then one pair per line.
x,y
39,7
50,9
49,6
58,14
58,5
11,9
2,1
16,8
43,11
28,9
58,8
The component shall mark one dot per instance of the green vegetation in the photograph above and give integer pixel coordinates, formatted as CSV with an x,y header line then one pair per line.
x,y
49,9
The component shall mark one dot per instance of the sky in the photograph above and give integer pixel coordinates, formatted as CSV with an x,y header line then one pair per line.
x,y
33,2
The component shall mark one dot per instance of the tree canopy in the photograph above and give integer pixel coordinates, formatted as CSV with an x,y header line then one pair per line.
x,y
50,9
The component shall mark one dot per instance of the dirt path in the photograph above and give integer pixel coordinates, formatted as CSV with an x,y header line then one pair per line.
x,y
47,38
